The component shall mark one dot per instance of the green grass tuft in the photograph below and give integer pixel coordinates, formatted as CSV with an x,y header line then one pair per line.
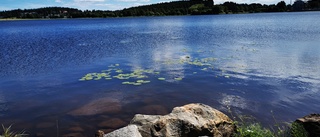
x,y
253,130
8,133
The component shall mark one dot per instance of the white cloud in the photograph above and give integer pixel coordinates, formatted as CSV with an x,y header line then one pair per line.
x,y
58,1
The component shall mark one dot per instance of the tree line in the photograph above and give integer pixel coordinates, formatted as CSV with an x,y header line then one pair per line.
x,y
183,7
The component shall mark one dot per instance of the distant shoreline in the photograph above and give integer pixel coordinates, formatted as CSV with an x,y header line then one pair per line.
x,y
25,19
174,8
17,19
20,19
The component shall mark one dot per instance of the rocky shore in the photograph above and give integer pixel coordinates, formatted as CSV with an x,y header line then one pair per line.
x,y
189,120
193,120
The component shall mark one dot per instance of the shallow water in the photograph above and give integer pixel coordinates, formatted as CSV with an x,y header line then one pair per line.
x,y
252,63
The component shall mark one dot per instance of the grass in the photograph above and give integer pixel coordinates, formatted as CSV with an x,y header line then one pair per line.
x,y
246,126
256,130
297,130
253,130
8,133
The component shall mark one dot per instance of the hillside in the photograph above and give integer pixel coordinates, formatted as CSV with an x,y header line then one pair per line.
x,y
185,7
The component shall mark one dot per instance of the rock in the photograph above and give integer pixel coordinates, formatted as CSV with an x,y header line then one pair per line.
x,y
128,131
99,133
186,121
311,124
98,106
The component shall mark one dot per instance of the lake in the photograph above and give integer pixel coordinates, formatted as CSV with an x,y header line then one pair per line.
x,y
72,77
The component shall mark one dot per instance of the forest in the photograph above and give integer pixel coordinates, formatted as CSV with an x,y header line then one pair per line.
x,y
182,7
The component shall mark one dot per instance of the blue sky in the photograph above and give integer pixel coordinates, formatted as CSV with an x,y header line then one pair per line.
x,y
100,4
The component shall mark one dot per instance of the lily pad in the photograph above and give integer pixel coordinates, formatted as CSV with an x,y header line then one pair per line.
x,y
82,79
204,69
142,76
103,74
140,81
119,71
89,78
178,78
146,81
137,84
127,82
161,78
97,78
143,81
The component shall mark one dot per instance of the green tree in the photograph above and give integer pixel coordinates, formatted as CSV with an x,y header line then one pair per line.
x,y
282,6
298,5
314,4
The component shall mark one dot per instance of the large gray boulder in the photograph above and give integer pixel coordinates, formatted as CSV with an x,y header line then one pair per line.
x,y
187,121
191,120
128,131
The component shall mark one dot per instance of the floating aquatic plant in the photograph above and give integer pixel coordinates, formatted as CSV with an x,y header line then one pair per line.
x,y
119,71
137,84
140,76
143,81
177,78
161,78
204,69
127,82
88,78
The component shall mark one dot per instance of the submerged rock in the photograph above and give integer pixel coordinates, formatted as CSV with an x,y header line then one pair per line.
x,y
311,124
112,123
98,106
153,109
191,120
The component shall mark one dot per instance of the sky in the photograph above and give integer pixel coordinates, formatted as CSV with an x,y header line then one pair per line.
x,y
101,4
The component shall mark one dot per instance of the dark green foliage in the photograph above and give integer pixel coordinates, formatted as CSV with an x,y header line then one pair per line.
x,y
254,129
281,6
298,5
314,4
48,12
297,130
182,7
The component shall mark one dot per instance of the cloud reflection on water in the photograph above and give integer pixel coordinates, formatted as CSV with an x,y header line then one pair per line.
x,y
293,72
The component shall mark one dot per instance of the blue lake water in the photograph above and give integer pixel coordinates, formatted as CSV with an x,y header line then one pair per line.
x,y
62,76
